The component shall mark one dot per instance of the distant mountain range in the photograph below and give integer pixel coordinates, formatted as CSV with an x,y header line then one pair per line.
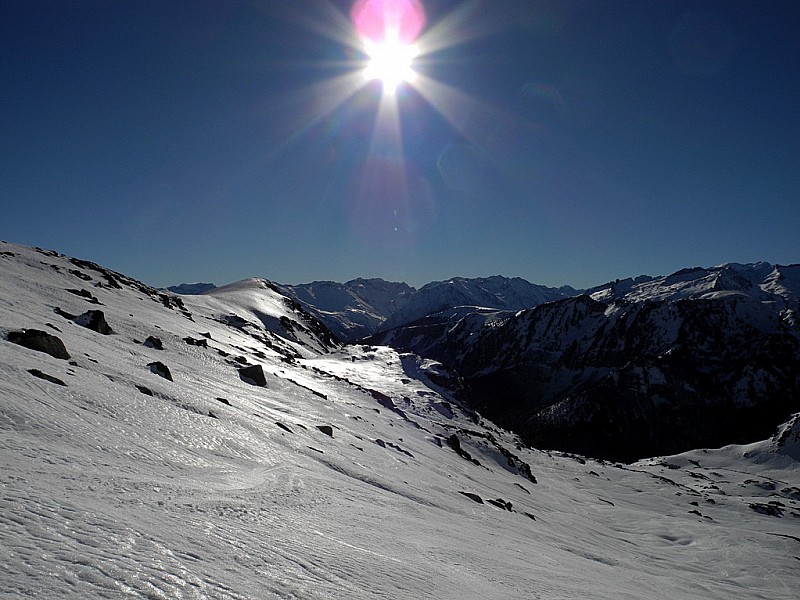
x,y
634,367
701,357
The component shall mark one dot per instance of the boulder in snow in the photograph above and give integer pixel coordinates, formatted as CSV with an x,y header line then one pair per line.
x,y
161,369
41,341
94,320
253,375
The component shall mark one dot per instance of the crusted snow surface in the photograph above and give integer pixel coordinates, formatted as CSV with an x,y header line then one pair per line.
x,y
338,479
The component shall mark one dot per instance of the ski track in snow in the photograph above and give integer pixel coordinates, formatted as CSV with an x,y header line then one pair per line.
x,y
107,492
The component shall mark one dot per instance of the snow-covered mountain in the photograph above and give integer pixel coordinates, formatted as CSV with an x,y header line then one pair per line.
x,y
351,310
222,446
359,308
499,293
761,281
701,357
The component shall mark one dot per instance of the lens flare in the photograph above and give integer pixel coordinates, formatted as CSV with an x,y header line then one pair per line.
x,y
390,61
380,20
389,200
387,29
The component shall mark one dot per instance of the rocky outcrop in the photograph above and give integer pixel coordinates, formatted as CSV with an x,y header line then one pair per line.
x,y
41,341
154,342
94,320
46,377
326,429
161,370
254,375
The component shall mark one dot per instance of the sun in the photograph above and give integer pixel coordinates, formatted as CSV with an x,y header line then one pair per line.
x,y
390,61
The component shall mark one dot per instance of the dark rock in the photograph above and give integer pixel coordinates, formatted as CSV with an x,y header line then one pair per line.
x,y
80,274
224,401
284,427
145,390
62,313
84,294
46,377
94,320
525,471
384,400
193,342
522,487
254,375
161,369
766,509
154,342
212,415
500,503
384,444
326,429
473,497
455,444
41,341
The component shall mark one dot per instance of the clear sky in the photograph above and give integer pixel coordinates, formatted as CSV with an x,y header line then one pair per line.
x,y
566,142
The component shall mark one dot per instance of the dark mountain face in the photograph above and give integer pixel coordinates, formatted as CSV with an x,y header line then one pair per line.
x,y
637,380
699,358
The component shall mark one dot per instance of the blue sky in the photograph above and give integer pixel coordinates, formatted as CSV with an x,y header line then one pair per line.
x,y
566,142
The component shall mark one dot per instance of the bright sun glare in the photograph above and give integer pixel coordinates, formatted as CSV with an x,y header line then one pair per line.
x,y
390,61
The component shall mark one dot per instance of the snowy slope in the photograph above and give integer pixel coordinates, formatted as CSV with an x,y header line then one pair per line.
x,y
251,301
345,476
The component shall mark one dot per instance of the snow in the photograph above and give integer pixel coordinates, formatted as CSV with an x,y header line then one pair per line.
x,y
759,281
108,492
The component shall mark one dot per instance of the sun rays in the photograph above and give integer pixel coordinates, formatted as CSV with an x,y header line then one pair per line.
x,y
384,76
390,61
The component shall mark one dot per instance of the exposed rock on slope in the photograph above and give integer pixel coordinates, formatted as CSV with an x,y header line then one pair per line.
x,y
41,341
